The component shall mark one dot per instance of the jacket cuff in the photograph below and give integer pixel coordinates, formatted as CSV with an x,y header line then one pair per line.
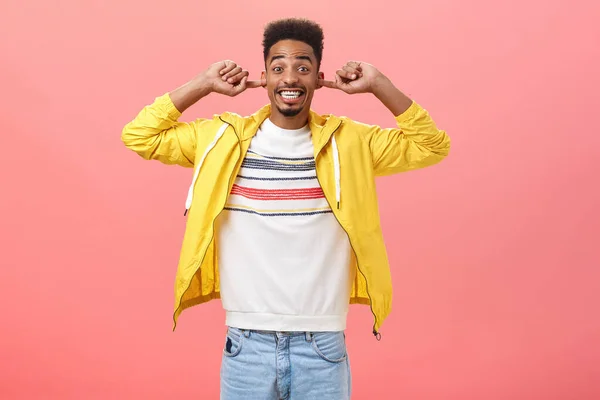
x,y
410,113
166,104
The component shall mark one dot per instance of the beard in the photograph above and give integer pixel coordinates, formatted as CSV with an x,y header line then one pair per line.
x,y
290,112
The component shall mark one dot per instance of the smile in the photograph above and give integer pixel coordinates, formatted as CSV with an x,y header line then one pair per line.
x,y
290,95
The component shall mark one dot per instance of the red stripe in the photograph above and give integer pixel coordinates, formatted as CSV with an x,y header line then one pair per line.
x,y
278,191
278,194
278,197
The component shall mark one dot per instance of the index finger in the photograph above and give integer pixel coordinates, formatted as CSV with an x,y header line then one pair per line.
x,y
329,84
254,84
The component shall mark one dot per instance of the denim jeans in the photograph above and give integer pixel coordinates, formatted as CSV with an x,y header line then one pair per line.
x,y
259,365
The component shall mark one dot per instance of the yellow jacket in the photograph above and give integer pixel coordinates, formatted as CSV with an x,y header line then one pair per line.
x,y
348,155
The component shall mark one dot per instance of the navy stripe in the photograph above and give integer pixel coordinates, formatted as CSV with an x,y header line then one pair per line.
x,y
300,214
256,161
277,166
296,178
282,158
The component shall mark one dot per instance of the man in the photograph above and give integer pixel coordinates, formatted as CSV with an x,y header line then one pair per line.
x,y
283,224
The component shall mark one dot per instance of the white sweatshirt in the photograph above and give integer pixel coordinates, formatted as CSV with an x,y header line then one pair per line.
x,y
284,260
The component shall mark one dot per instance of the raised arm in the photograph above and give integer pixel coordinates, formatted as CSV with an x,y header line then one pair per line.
x,y
156,133
416,142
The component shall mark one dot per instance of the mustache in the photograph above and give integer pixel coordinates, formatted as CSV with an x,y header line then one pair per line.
x,y
301,87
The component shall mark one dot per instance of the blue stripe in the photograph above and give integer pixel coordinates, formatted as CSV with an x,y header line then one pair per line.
x,y
296,178
257,161
299,214
282,158
270,165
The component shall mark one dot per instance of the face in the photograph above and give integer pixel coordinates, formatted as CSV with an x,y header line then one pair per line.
x,y
291,76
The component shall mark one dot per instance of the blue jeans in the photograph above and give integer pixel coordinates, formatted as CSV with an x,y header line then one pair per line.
x,y
260,365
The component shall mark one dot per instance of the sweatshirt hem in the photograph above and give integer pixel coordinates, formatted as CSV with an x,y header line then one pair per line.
x,y
285,323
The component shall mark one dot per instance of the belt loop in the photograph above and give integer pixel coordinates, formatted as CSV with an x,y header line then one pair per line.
x,y
308,336
246,333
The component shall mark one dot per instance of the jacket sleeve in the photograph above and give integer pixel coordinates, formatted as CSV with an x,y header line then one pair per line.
x,y
415,143
156,134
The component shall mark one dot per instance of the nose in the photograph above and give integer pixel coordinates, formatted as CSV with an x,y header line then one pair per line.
x,y
290,77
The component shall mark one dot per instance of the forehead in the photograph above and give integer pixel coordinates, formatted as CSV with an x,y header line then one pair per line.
x,y
292,49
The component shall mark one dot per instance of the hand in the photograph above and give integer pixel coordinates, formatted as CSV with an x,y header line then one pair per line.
x,y
228,78
354,77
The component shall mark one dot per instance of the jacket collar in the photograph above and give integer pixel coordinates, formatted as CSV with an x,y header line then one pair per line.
x,y
321,126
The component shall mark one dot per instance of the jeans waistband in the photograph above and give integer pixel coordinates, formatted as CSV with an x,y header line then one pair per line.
x,y
247,332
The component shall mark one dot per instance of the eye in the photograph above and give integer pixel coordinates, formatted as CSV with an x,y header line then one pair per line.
x,y
277,69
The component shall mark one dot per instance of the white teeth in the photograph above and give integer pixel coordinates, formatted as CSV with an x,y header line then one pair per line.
x,y
289,94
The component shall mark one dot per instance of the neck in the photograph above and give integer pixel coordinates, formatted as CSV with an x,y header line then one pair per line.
x,y
283,122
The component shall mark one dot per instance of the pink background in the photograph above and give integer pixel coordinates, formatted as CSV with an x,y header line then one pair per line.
x,y
494,251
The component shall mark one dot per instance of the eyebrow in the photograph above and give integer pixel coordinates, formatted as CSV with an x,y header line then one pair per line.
x,y
307,58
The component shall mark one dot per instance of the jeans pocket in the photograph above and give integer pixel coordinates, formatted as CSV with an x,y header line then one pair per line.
x,y
233,342
330,346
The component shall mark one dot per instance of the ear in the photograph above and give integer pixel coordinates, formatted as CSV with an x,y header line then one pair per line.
x,y
320,77
263,78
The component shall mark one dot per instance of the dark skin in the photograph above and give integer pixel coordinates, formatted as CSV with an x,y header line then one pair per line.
x,y
291,66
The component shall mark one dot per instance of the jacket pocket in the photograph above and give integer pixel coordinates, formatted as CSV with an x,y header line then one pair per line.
x,y
330,346
233,342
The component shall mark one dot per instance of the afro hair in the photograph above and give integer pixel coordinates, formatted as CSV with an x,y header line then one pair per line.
x,y
299,29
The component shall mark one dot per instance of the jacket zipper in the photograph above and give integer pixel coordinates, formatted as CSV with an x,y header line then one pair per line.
x,y
214,219
375,333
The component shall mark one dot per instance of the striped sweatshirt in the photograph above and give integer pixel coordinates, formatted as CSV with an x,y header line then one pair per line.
x,y
284,260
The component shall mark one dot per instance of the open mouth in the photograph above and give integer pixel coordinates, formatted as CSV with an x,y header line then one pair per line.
x,y
291,96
